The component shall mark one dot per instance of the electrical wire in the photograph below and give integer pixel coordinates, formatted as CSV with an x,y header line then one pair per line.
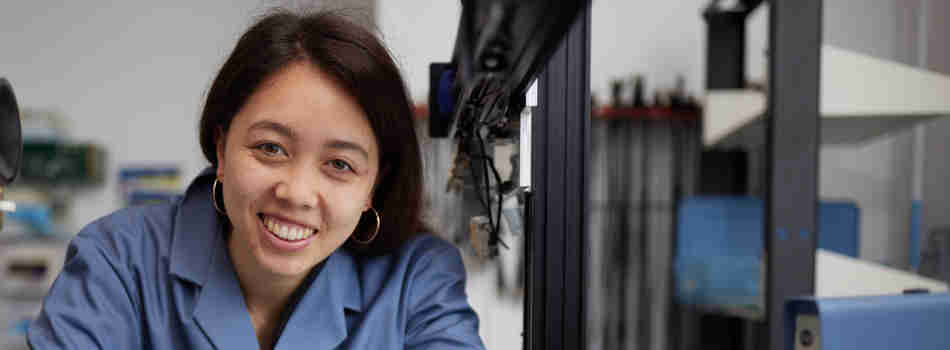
x,y
489,163
476,120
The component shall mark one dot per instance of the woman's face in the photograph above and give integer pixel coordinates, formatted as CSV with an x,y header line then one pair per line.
x,y
297,169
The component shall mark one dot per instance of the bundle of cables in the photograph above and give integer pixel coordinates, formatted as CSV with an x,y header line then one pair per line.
x,y
481,121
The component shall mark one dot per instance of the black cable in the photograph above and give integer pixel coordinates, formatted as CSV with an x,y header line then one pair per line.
x,y
485,159
490,163
473,125
483,200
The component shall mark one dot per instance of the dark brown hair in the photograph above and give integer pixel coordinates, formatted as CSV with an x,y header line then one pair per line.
x,y
363,67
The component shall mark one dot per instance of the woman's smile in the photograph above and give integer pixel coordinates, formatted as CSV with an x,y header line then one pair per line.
x,y
286,235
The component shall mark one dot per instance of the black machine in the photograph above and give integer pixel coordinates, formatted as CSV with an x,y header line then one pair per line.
x,y
501,46
11,138
11,141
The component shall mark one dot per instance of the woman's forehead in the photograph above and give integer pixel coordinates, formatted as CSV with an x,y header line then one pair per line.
x,y
306,104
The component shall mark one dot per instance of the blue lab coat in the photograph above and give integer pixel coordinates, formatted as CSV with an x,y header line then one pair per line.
x,y
160,277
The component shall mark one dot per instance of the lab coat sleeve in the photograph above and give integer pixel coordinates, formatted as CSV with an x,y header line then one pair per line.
x,y
90,305
440,316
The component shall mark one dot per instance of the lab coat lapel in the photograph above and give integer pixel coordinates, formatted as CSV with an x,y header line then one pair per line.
x,y
221,312
319,321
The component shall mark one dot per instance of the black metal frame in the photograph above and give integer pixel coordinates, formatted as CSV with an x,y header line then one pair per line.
x,y
554,310
792,141
792,137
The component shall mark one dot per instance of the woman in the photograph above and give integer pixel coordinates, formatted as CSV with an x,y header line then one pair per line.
x,y
302,233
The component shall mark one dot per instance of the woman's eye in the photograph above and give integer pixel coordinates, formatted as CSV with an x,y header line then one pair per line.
x,y
271,149
340,165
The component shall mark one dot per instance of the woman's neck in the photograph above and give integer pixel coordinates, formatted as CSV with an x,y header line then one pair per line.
x,y
265,294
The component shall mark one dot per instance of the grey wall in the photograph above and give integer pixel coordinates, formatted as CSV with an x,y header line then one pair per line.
x,y
936,192
938,28
936,176
873,27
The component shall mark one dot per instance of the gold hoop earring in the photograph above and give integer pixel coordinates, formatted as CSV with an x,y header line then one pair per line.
x,y
214,197
375,233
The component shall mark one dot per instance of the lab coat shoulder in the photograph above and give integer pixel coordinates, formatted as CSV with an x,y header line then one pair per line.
x,y
136,237
95,301
439,315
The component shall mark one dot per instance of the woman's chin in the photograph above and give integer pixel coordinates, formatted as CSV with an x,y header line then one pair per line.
x,y
284,266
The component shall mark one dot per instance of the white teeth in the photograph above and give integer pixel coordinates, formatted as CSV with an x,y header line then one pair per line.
x,y
285,230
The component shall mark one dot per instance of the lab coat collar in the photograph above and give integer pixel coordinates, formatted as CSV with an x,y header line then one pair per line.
x,y
220,311
196,226
200,255
319,320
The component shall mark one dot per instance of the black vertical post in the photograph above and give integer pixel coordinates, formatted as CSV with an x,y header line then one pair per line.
x,y
792,151
725,50
557,250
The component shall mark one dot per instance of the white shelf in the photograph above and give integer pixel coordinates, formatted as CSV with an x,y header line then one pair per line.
x,y
861,97
839,275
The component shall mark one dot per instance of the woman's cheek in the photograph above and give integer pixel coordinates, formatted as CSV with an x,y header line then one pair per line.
x,y
348,208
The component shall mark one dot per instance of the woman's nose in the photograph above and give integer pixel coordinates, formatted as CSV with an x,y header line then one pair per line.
x,y
299,190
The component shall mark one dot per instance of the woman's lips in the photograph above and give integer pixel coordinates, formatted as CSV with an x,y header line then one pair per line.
x,y
285,235
286,230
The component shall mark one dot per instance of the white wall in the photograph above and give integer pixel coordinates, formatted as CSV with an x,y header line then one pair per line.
x,y
129,76
658,39
867,26
418,32
876,176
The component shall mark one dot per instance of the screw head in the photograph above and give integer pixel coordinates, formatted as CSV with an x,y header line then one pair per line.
x,y
807,338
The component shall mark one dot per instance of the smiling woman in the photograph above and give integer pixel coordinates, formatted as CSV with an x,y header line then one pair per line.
x,y
305,232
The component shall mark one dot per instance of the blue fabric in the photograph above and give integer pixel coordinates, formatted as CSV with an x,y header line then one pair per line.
x,y
160,277
912,321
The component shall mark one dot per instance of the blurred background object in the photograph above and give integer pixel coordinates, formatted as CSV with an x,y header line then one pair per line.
x,y
11,147
150,184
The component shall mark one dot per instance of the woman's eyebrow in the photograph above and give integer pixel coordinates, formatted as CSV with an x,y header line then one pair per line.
x,y
279,128
347,145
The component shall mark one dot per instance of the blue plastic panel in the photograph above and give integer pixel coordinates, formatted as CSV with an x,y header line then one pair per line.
x,y
718,258
732,226
913,321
